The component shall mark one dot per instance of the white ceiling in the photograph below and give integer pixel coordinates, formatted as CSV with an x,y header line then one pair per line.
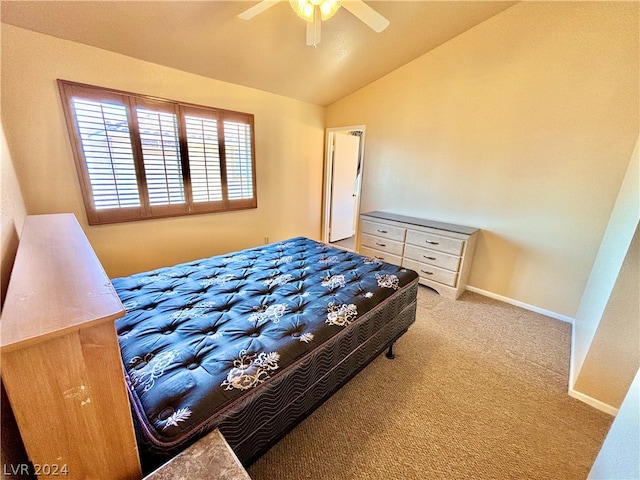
x,y
268,52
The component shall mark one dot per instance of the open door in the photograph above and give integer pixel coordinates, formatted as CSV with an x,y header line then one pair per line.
x,y
346,150
343,172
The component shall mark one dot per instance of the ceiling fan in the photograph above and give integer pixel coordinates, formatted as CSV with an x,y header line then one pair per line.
x,y
315,11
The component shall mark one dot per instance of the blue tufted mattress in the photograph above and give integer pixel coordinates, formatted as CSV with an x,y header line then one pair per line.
x,y
250,341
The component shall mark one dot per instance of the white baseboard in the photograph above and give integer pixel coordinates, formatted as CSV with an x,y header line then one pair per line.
x,y
518,303
603,407
572,358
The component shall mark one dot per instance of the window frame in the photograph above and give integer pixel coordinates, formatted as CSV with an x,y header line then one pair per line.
x,y
145,211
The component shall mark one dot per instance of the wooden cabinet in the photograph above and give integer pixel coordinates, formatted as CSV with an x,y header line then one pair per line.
x,y
61,363
440,253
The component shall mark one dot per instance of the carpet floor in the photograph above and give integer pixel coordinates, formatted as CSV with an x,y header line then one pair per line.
x,y
478,390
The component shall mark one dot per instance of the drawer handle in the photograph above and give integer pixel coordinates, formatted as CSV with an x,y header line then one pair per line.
x,y
428,273
380,258
381,244
383,231
432,243
429,258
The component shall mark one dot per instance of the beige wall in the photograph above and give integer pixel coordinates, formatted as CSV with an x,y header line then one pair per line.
x,y
289,152
619,459
613,357
522,126
12,213
606,336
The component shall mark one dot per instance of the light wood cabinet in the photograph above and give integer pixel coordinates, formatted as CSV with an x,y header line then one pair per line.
x,y
441,253
61,363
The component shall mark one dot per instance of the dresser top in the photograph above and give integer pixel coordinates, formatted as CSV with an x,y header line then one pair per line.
x,y
57,284
449,227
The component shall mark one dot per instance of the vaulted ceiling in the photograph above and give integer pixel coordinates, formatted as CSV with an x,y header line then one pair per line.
x,y
268,52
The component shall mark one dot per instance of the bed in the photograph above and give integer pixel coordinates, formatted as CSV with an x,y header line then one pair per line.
x,y
253,341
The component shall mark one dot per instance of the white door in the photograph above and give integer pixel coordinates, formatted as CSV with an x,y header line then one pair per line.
x,y
343,188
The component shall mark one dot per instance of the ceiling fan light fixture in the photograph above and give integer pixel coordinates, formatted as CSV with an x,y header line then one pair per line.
x,y
328,8
306,9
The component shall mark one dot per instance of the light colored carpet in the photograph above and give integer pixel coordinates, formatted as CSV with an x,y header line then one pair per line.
x,y
478,390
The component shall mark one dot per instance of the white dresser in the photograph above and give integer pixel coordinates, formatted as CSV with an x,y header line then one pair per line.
x,y
440,253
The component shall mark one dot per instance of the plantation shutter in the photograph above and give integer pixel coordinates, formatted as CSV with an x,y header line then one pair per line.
x,y
100,131
160,150
104,134
205,165
141,157
240,166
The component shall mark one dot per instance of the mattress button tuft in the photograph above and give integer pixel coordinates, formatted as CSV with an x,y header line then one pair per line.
x,y
166,413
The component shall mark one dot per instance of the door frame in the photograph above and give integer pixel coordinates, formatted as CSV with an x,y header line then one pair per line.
x,y
328,176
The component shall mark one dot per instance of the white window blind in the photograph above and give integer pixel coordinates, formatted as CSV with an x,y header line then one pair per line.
x,y
161,154
237,138
204,159
106,144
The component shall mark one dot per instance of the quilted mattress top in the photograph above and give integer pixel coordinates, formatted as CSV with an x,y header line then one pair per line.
x,y
199,335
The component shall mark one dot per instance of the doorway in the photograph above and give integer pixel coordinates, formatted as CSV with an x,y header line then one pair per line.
x,y
343,166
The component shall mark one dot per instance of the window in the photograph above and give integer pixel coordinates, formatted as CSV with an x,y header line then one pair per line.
x,y
139,157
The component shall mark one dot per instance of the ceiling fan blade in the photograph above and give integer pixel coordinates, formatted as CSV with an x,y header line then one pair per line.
x,y
256,9
313,31
367,14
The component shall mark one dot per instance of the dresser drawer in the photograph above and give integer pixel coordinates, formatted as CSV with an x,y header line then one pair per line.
x,y
435,242
432,257
432,273
385,257
384,231
382,244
